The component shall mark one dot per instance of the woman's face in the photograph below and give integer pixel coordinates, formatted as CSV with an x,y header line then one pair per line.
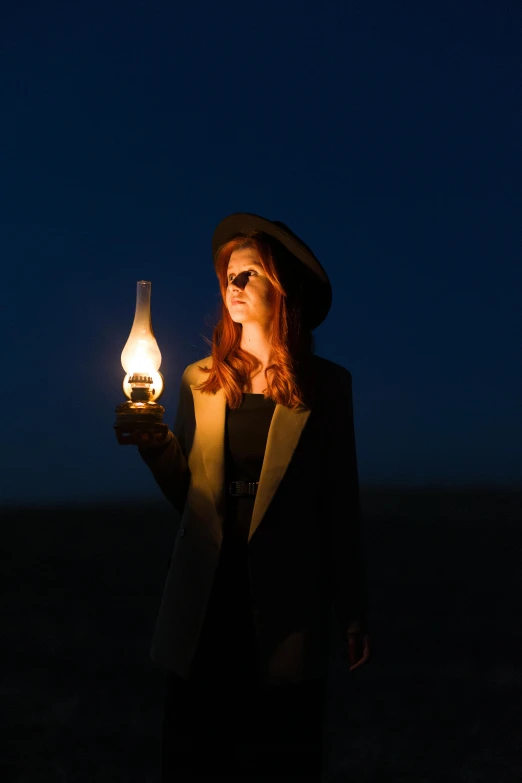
x,y
249,285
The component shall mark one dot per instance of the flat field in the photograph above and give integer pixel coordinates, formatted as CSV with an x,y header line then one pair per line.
x,y
439,701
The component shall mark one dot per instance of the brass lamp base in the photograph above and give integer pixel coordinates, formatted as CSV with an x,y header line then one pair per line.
x,y
139,421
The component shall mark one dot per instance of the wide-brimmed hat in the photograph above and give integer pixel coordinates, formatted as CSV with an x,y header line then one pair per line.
x,y
301,273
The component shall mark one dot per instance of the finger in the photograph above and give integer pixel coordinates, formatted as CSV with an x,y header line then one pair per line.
x,y
358,651
359,663
355,648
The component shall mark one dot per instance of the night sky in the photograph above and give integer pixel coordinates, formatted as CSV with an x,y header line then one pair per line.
x,y
386,134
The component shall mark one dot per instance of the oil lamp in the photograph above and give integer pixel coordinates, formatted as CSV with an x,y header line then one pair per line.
x,y
140,417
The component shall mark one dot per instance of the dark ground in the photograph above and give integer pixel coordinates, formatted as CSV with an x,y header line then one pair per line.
x,y
440,700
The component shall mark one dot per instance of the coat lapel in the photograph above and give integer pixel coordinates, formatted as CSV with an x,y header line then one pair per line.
x,y
285,430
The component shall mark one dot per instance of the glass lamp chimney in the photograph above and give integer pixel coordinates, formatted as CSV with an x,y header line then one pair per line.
x,y
141,356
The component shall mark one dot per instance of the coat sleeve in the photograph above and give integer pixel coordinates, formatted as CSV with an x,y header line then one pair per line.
x,y
349,584
169,461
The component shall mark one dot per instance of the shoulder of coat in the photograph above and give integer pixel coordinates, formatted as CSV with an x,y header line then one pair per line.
x,y
327,370
331,371
193,375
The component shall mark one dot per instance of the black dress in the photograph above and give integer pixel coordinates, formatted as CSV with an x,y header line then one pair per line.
x,y
221,721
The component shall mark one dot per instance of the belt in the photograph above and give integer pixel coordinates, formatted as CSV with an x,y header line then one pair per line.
x,y
242,489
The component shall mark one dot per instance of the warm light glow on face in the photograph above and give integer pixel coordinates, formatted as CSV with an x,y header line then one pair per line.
x,y
248,282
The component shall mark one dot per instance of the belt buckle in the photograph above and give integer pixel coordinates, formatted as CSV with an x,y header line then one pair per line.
x,y
240,488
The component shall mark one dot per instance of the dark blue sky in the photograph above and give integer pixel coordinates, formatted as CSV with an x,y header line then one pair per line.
x,y
387,135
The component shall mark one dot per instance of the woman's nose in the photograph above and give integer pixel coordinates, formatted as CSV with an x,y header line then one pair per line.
x,y
239,281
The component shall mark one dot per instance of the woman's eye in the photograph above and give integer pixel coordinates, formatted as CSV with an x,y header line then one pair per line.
x,y
248,270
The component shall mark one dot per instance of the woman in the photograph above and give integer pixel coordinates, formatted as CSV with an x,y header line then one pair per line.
x,y
261,465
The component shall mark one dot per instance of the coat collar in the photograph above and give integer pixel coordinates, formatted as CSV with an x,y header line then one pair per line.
x,y
285,431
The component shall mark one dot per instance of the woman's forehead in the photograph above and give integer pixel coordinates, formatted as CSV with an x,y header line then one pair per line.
x,y
244,255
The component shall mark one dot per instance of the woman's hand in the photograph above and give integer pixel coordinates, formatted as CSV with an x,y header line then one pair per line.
x,y
358,649
140,436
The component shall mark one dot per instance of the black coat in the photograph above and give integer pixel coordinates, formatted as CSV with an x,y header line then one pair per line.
x,y
304,547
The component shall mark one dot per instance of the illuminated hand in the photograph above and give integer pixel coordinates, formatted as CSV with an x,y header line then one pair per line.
x,y
141,436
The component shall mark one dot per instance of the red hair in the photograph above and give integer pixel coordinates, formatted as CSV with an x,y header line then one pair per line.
x,y
292,343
